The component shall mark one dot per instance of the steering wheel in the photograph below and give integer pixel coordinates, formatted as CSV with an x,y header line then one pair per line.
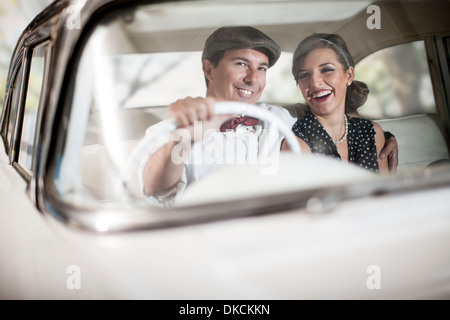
x,y
153,141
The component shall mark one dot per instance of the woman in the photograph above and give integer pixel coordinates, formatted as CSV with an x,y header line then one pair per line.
x,y
324,71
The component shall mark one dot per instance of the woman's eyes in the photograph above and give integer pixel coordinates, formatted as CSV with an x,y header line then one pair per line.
x,y
326,69
305,75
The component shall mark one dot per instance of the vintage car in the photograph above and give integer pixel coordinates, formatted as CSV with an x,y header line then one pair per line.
x,y
86,80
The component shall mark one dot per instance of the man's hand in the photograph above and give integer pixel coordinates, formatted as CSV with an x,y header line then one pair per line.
x,y
189,110
390,150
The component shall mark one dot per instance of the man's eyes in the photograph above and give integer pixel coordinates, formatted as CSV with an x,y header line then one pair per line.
x,y
243,64
263,69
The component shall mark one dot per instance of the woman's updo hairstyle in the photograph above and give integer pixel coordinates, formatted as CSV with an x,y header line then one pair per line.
x,y
357,92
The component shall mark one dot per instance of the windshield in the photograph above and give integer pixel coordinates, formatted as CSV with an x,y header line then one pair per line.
x,y
137,62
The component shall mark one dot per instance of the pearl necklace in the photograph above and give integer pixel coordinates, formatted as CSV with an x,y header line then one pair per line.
x,y
346,131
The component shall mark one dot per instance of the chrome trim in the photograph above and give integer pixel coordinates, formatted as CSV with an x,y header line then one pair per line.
x,y
14,144
314,201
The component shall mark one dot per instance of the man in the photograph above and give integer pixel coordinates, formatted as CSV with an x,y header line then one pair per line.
x,y
235,61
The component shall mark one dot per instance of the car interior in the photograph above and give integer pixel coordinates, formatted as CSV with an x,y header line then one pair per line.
x,y
422,136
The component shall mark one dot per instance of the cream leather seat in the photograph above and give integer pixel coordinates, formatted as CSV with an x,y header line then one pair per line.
x,y
420,140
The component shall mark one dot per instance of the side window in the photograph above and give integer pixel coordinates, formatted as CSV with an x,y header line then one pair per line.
x,y
32,98
14,100
399,82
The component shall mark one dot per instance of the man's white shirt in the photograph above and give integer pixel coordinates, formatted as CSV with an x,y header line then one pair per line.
x,y
242,145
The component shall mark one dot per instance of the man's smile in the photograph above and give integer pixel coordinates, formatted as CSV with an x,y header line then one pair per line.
x,y
245,92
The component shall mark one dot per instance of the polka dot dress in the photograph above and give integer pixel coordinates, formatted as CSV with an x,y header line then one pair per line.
x,y
362,149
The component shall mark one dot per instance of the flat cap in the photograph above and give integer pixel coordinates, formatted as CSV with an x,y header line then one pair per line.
x,y
238,38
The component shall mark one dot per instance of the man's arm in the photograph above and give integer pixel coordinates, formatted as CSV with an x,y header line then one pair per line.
x,y
162,172
383,165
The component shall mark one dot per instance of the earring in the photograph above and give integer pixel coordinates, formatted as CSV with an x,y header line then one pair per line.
x,y
348,83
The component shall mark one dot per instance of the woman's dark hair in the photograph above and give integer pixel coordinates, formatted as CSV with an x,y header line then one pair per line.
x,y
357,92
